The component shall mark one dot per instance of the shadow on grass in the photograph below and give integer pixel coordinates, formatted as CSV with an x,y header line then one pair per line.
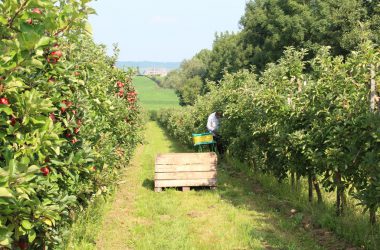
x,y
277,201
237,191
148,184
274,202
277,231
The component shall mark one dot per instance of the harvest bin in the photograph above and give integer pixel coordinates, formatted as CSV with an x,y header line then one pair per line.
x,y
185,170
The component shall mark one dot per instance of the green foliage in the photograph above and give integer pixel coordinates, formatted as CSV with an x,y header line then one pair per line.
x,y
309,117
189,80
226,55
271,25
65,119
191,88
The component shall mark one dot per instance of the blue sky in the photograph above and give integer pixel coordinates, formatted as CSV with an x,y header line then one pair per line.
x,y
163,30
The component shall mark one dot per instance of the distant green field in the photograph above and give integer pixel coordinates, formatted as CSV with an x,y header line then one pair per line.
x,y
152,97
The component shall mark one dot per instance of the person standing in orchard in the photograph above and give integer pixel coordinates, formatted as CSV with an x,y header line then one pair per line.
x,y
213,123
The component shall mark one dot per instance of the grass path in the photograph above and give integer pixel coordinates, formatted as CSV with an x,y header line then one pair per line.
x,y
235,216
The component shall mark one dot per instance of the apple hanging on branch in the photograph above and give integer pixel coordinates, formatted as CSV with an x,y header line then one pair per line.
x,y
4,101
45,170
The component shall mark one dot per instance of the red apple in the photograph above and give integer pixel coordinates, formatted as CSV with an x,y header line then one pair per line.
x,y
51,80
4,100
23,245
45,170
52,117
13,120
52,60
120,84
56,53
67,103
37,11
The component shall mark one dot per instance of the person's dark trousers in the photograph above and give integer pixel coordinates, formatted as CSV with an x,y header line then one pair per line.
x,y
219,144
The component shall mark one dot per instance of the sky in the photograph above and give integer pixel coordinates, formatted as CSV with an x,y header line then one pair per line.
x,y
163,30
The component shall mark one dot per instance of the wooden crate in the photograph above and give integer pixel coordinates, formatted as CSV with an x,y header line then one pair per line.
x,y
185,170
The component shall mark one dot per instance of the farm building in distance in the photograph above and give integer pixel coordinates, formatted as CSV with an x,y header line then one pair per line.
x,y
155,72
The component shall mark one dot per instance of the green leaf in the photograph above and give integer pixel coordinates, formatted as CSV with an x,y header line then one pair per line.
x,y
42,42
48,222
32,236
88,28
12,167
57,150
5,192
26,224
91,11
6,242
15,84
3,20
6,109
25,160
37,63
33,168
42,3
38,120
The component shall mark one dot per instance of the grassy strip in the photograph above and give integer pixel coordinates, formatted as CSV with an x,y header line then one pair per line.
x,y
152,97
353,226
84,231
231,217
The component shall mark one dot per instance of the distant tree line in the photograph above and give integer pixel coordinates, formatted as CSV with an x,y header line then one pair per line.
x,y
268,27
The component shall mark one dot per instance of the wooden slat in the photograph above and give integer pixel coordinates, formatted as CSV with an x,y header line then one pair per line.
x,y
186,158
185,183
185,168
185,175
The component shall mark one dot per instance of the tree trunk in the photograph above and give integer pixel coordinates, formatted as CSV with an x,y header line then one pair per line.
x,y
310,182
292,179
298,182
343,200
337,202
373,93
338,180
317,189
299,83
372,215
374,98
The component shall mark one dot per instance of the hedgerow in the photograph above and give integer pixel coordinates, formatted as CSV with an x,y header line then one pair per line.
x,y
317,118
67,117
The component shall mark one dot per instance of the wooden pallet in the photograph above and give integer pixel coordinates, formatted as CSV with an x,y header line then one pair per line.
x,y
185,170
